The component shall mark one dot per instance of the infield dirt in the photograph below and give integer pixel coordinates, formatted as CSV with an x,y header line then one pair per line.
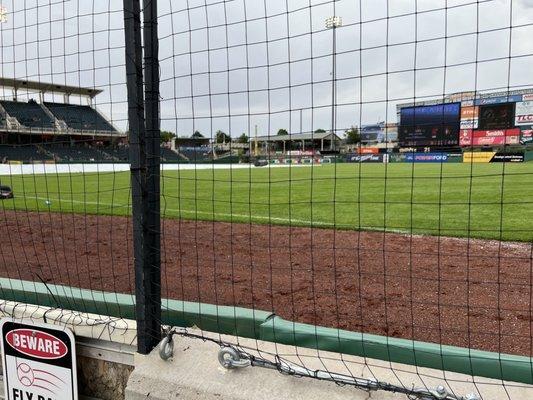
x,y
469,293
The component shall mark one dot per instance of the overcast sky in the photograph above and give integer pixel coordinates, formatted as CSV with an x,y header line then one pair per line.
x,y
231,65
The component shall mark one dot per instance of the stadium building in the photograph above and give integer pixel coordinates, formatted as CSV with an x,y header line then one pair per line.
x,y
467,120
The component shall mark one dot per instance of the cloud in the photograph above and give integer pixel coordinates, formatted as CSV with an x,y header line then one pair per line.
x,y
233,65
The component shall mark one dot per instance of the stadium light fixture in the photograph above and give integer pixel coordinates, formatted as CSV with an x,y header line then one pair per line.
x,y
333,22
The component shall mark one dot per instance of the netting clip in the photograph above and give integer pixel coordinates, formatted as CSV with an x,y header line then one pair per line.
x,y
230,358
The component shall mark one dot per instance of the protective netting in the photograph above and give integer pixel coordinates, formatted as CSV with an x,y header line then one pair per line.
x,y
344,193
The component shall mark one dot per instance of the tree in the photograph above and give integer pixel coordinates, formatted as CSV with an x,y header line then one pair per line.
x,y
282,132
352,135
320,130
222,137
197,135
243,138
167,136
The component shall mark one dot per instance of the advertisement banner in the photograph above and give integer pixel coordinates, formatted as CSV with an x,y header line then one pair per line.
x,y
527,97
426,157
469,124
499,100
465,137
365,158
526,136
495,140
524,113
367,150
499,137
508,157
469,112
497,132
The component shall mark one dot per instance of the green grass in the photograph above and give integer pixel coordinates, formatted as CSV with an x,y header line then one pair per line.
x,y
480,200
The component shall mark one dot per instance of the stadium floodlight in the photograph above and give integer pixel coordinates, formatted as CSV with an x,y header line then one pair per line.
x,y
3,14
333,22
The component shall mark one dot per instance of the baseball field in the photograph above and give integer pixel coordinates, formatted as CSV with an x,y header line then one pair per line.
x,y
489,201
329,245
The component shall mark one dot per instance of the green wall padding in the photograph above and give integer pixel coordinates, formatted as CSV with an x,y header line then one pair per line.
x,y
263,325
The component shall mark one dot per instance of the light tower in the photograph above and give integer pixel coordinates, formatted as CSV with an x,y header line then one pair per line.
x,y
333,23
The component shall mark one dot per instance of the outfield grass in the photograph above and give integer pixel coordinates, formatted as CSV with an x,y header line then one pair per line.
x,y
476,200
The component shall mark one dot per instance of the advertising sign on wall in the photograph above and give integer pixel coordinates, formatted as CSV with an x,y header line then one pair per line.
x,y
469,117
469,112
426,157
367,150
499,100
469,124
526,136
508,157
524,113
365,158
468,137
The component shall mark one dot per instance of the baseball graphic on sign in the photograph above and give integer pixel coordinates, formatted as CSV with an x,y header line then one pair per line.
x,y
25,374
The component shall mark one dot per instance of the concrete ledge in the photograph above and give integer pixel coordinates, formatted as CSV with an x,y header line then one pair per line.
x,y
195,374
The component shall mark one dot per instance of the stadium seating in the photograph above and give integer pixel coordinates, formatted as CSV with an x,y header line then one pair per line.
x,y
169,155
78,117
30,114
196,153
27,153
118,153
77,153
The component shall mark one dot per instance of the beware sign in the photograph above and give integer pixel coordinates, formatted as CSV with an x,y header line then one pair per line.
x,y
39,361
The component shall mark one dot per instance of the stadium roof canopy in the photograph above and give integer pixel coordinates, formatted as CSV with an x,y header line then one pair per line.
x,y
296,136
48,87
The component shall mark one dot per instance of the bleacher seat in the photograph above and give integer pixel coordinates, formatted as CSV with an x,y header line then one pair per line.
x,y
26,153
169,155
196,153
79,117
30,114
76,153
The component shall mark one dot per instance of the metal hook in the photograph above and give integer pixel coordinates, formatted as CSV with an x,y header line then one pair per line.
x,y
230,358
166,348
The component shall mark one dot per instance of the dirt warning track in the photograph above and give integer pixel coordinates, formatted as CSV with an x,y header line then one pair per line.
x,y
471,293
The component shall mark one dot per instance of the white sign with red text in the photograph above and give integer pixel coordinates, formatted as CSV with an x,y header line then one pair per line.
x,y
39,361
524,113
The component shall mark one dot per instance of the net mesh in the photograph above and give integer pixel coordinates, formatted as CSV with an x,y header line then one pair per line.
x,y
344,192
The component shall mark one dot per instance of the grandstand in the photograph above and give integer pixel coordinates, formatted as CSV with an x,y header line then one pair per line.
x,y
32,131
81,118
29,115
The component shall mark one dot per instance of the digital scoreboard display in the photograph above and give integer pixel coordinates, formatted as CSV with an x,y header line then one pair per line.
x,y
497,116
435,125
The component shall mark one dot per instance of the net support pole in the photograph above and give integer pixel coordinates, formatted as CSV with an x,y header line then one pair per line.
x,y
144,191
153,156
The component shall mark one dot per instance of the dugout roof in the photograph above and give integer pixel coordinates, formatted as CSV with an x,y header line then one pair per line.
x,y
48,87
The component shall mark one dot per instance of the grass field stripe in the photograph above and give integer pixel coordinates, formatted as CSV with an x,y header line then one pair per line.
x,y
223,215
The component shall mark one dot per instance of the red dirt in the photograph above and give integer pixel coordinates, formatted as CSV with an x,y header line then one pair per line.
x,y
473,293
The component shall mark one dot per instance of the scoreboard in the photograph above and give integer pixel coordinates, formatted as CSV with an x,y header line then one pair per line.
x,y
432,125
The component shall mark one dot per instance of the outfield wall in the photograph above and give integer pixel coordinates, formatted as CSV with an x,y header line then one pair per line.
x,y
31,169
